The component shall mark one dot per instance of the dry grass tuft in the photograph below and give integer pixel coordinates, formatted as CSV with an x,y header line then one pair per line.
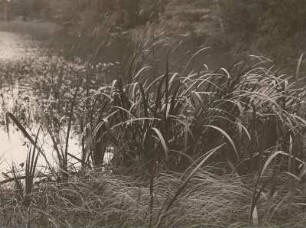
x,y
96,199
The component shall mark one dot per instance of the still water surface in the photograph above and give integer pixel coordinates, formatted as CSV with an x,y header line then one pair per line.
x,y
14,47
13,146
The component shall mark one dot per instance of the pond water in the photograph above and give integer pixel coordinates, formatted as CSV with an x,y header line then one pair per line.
x,y
14,146
14,46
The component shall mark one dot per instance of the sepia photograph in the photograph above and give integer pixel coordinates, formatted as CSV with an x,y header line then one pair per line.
x,y
153,113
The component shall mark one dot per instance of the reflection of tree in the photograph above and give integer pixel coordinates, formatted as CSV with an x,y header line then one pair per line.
x,y
30,9
6,9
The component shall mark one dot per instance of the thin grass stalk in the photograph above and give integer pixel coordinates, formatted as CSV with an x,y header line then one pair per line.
x,y
18,184
256,194
30,167
298,67
64,167
54,140
152,177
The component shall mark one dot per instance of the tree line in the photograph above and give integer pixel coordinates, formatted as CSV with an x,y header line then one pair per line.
x,y
271,27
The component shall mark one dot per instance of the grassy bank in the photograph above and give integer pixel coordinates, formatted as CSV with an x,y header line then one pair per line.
x,y
194,147
96,200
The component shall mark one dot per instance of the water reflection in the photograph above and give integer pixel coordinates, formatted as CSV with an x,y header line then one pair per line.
x,y
18,99
13,46
13,146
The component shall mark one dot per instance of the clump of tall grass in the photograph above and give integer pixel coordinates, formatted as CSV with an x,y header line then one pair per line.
x,y
179,118
246,117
